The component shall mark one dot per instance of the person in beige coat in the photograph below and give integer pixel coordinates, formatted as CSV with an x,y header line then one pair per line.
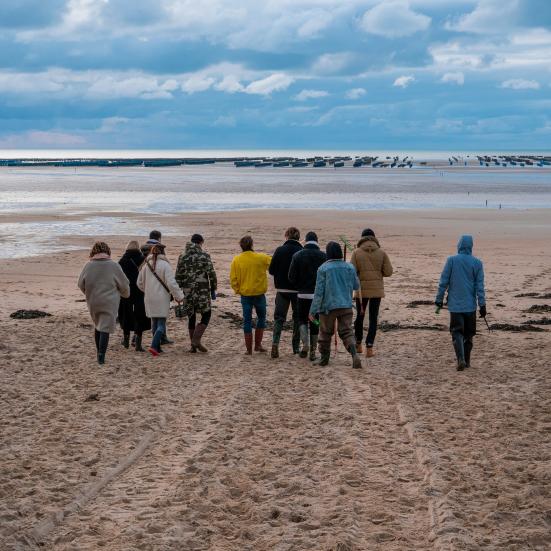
x,y
372,265
103,282
156,280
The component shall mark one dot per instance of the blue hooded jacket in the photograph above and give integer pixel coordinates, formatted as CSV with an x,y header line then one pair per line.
x,y
335,282
463,277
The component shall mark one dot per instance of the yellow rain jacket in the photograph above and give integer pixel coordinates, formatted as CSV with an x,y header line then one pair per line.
x,y
248,276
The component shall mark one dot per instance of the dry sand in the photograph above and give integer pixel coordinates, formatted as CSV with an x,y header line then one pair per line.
x,y
226,452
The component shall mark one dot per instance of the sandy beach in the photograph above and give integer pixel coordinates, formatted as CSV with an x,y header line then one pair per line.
x,y
226,452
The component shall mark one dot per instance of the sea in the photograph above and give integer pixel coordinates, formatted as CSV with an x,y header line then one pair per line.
x,y
39,205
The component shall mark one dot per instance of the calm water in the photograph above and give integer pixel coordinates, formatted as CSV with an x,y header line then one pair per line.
x,y
221,187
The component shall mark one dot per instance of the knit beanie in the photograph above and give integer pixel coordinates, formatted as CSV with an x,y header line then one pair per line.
x,y
367,232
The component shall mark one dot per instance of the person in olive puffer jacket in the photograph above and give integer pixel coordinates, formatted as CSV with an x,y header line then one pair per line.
x,y
372,265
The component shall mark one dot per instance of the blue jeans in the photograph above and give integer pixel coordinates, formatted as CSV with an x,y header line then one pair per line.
x,y
257,302
158,327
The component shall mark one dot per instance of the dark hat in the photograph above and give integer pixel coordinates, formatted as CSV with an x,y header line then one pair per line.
x,y
333,251
311,236
367,232
197,238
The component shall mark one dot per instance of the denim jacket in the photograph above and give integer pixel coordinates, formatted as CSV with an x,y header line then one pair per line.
x,y
335,282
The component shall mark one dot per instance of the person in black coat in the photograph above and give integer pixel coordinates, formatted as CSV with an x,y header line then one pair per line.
x,y
302,275
132,315
286,293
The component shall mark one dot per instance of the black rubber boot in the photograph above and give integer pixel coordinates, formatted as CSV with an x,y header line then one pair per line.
x,y
126,340
102,346
356,360
138,342
468,347
459,347
324,359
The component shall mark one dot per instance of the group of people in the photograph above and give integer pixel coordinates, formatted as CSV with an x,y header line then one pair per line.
x,y
319,287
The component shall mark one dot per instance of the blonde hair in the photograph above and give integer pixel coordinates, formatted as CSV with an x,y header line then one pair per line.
x,y
132,245
100,247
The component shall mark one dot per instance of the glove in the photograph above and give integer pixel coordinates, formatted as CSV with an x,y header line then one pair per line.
x,y
483,311
438,303
213,295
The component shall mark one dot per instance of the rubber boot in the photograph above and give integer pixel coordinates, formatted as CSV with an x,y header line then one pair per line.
x,y
258,335
192,348
303,329
276,336
324,358
459,346
138,342
468,347
296,338
103,341
249,343
313,346
196,339
126,340
356,359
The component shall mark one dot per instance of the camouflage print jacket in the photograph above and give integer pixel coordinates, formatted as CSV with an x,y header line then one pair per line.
x,y
196,276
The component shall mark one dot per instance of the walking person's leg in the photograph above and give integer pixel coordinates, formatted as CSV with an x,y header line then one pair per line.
x,y
96,340
469,333
326,331
138,341
102,346
159,327
457,330
260,307
247,307
280,315
314,332
359,322
303,310
192,321
346,333
295,341
199,331
373,307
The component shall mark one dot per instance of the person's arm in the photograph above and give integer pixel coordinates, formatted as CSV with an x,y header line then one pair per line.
x,y
319,293
272,262
211,273
171,283
140,282
387,266
234,276
269,261
180,271
354,261
82,280
444,282
356,282
293,271
122,283
479,285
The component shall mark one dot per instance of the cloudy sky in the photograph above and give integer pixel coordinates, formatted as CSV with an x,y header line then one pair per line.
x,y
333,74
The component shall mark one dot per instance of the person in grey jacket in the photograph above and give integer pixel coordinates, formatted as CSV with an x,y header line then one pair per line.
x,y
103,282
463,278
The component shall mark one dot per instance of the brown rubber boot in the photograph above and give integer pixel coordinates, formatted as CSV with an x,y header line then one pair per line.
x,y
197,335
249,343
258,334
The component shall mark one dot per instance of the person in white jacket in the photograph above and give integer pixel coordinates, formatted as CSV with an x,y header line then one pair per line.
x,y
156,280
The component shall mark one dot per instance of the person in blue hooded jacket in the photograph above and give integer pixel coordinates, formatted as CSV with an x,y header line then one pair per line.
x,y
463,278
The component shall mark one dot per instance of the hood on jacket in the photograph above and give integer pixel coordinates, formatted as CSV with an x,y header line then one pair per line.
x,y
192,248
465,244
368,243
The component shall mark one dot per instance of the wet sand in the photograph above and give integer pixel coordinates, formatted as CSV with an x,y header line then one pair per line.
x,y
226,452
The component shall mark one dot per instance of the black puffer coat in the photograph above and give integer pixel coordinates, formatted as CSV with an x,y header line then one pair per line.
x,y
281,261
304,268
132,315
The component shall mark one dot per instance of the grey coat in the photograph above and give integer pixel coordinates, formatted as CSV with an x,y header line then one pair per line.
x,y
103,282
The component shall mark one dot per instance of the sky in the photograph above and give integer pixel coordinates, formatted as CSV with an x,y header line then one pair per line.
x,y
305,74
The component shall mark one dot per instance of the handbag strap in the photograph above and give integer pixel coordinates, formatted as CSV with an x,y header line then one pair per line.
x,y
158,278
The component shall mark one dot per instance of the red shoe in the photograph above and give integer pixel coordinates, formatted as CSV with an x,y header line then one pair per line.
x,y
153,352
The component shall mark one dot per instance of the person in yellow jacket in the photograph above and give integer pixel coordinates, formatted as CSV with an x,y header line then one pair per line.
x,y
248,278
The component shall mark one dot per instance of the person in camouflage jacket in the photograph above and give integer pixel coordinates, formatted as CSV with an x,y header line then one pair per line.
x,y
196,276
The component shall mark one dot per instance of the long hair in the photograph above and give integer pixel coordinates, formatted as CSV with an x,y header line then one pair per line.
x,y
156,250
100,247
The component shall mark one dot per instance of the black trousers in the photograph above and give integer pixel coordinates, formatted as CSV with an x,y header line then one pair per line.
x,y
205,318
282,303
370,305
463,329
303,307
